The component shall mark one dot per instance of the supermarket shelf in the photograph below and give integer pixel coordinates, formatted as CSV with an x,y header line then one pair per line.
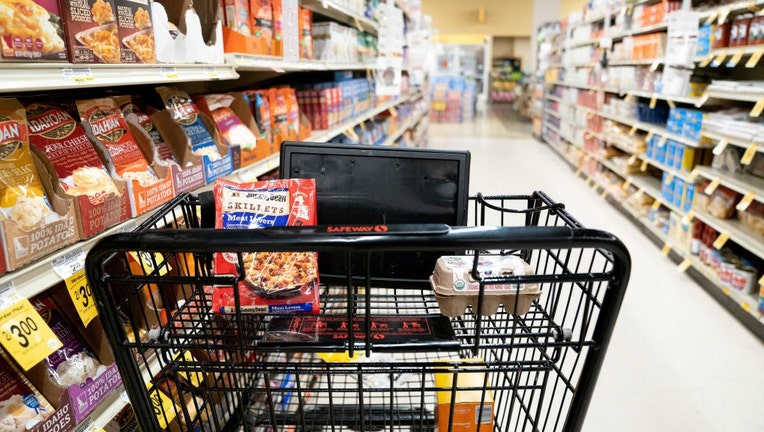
x,y
734,95
247,62
742,183
108,409
652,187
330,9
553,114
665,168
582,43
655,129
680,99
24,77
737,232
629,62
641,30
553,98
733,141
326,135
408,124
575,85
747,302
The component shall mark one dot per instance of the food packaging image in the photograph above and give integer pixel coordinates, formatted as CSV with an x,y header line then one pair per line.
x,y
277,101
103,119
753,218
261,111
72,364
32,30
293,113
184,112
272,282
135,31
262,25
22,195
233,131
455,288
91,29
306,33
162,152
21,406
237,16
278,32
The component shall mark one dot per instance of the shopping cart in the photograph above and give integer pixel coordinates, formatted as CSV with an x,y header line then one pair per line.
x,y
186,367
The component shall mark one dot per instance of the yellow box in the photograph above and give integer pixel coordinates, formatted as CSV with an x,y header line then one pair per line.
x,y
467,403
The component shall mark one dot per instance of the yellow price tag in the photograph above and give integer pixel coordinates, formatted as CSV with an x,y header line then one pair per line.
x,y
639,193
688,218
653,101
746,307
750,152
632,160
746,201
656,63
735,59
723,16
721,240
649,135
669,178
358,24
755,57
718,60
628,97
578,172
633,131
662,141
195,378
25,335
711,188
671,103
588,181
164,408
151,262
604,194
758,108
626,184
711,17
726,291
694,174
643,167
393,112
720,146
706,61
761,280
684,265
666,249
656,205
82,297
702,100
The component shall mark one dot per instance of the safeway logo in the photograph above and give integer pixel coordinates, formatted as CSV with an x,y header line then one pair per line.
x,y
357,229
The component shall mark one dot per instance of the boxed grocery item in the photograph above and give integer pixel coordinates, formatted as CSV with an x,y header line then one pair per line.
x,y
464,410
122,146
35,220
261,113
689,196
693,123
273,282
186,34
91,30
306,33
76,170
236,128
237,16
22,407
191,135
455,288
32,31
254,37
135,31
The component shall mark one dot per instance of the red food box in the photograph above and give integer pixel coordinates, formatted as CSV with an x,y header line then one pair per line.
x,y
92,35
136,33
33,31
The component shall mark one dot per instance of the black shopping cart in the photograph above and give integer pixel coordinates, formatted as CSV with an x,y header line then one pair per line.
x,y
380,355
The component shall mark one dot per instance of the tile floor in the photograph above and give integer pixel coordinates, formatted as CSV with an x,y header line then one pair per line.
x,y
678,360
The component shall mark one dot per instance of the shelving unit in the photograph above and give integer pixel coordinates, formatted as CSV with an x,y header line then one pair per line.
x,y
743,306
337,12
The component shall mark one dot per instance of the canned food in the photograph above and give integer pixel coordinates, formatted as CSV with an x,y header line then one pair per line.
x,y
722,35
744,279
726,271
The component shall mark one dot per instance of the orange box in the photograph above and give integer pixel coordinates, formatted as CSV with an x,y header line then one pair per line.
x,y
468,410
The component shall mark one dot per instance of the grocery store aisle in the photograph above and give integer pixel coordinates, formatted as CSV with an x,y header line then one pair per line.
x,y
678,361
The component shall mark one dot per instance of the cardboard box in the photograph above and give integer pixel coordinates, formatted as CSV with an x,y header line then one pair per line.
x,y
199,34
88,21
180,144
239,106
678,196
469,415
18,45
136,33
23,247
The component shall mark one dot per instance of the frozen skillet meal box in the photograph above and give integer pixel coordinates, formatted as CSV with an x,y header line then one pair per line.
x,y
232,129
186,114
135,31
22,196
72,364
92,33
128,106
455,288
273,282
21,407
58,136
32,30
109,128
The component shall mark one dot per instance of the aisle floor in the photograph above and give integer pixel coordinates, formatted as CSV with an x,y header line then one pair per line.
x,y
678,361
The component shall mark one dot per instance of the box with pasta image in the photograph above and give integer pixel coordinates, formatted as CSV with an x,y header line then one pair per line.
x,y
135,32
32,31
92,35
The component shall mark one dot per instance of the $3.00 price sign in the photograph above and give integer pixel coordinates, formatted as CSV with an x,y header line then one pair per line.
x,y
82,296
25,335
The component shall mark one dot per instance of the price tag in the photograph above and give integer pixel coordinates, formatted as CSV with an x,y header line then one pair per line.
x,y
604,194
694,174
711,17
351,134
661,142
711,188
628,97
746,201
758,108
746,307
755,57
633,131
718,60
362,125
164,407
720,146
669,178
684,265
721,240
25,335
688,218
752,6
278,69
588,181
653,101
82,296
702,100
212,73
750,152
735,59
643,167
632,160
578,172
726,291
69,263
169,73
723,14
666,249
654,66
393,112
77,75
656,205
761,281
639,193
626,184
150,262
358,24
649,135
671,103
706,61
195,378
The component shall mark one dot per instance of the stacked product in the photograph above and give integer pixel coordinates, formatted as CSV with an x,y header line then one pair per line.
x,y
328,104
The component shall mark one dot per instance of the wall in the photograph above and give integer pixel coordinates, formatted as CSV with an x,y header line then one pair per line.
x,y
568,6
518,47
502,17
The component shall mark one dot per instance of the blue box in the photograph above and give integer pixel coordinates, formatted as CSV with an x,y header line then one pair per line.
x,y
704,40
693,123
689,195
670,149
678,192
649,152
667,188
678,156
659,151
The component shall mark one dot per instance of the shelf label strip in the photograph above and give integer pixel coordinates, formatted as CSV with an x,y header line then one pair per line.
x,y
721,240
684,265
746,201
750,152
